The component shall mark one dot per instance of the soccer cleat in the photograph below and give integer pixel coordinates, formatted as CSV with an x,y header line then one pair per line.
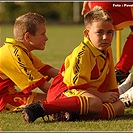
x,y
64,116
127,84
127,97
33,111
121,76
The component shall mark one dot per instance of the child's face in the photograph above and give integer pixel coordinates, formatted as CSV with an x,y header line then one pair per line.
x,y
38,41
100,34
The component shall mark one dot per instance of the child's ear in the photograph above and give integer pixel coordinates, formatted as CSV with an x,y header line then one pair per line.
x,y
86,33
27,37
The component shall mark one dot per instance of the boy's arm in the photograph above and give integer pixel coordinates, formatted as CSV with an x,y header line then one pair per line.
x,y
105,97
52,72
44,87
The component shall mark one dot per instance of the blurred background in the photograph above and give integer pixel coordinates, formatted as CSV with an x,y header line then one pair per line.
x,y
53,11
64,27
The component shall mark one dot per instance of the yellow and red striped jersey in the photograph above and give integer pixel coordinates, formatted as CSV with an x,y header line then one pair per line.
x,y
85,67
20,67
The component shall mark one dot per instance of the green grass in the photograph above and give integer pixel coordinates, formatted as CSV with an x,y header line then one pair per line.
x,y
62,40
15,122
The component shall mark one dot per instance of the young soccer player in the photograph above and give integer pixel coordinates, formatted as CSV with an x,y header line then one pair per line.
x,y
86,84
122,14
19,67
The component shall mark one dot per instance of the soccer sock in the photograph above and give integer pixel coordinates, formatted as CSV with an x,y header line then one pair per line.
x,y
107,112
75,104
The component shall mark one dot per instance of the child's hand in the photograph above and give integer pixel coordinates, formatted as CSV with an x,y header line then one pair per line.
x,y
109,97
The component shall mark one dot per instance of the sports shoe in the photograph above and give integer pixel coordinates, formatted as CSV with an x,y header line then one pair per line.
x,y
121,76
127,84
33,111
127,97
64,116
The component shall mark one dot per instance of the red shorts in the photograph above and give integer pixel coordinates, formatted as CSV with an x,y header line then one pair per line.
x,y
9,101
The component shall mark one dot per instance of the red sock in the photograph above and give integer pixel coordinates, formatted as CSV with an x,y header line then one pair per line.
x,y
75,104
108,112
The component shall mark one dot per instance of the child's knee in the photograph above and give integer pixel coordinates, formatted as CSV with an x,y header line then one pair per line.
x,y
95,105
119,108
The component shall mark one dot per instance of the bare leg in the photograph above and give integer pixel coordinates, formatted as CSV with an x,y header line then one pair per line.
x,y
40,97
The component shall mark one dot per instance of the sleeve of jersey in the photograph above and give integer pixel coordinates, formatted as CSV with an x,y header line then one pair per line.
x,y
39,65
77,69
41,70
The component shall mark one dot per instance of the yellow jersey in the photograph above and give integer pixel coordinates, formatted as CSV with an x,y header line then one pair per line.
x,y
85,67
20,67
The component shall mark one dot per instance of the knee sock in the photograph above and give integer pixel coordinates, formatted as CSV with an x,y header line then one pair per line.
x,y
78,105
107,112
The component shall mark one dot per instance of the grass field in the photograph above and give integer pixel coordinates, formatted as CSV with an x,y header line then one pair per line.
x,y
62,40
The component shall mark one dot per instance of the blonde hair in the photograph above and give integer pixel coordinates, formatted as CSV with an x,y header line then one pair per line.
x,y
27,23
97,13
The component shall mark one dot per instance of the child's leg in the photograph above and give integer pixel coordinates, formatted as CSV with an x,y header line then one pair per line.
x,y
79,101
126,60
79,105
15,102
38,97
75,104
19,100
70,104
109,111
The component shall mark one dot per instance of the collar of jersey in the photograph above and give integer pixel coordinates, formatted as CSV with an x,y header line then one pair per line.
x,y
14,42
95,51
